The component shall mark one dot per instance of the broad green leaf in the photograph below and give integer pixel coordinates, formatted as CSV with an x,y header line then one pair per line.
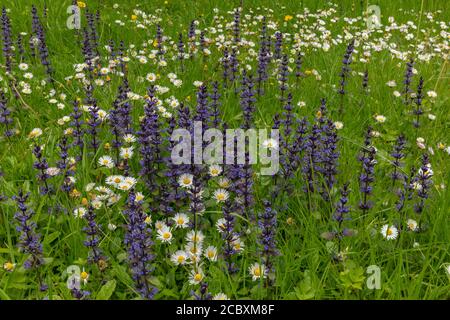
x,y
107,290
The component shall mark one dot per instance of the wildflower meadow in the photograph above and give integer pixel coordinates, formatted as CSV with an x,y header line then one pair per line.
x,y
216,150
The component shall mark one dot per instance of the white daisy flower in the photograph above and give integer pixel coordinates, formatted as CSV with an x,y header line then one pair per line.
x,y
391,83
185,180
412,224
148,220
238,245
101,189
124,186
196,276
195,236
224,183
221,225
211,253
179,258
221,195
194,251
96,204
258,271
9,266
130,181
177,83
165,234
106,161
380,118
220,296
139,197
129,138
270,144
174,103
36,132
126,153
114,180
159,225
150,77
389,232
215,170
23,66
79,212
338,125
431,94
181,220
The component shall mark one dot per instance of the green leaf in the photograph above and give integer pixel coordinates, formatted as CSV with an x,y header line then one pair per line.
x,y
121,273
107,290
3,295
169,294
51,237
305,289
155,281
352,278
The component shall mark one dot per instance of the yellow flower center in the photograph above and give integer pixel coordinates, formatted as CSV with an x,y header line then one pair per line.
x,y
166,235
257,272
220,196
180,221
180,259
186,181
8,266
117,180
198,277
389,231
84,275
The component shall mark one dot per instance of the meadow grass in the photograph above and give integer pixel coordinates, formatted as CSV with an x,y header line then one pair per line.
x,y
412,267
